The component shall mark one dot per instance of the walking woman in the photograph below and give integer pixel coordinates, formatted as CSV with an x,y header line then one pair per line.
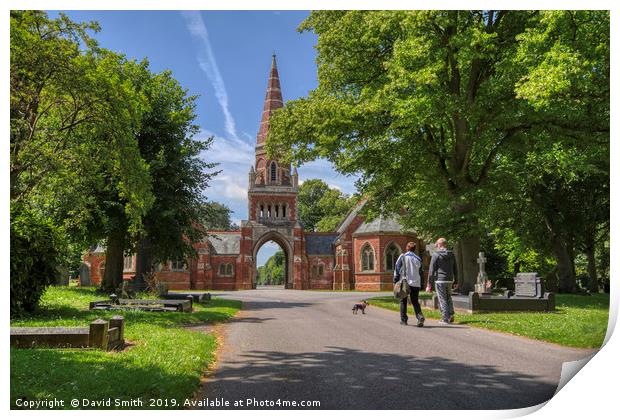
x,y
409,267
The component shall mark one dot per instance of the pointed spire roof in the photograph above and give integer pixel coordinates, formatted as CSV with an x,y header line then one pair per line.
x,y
273,101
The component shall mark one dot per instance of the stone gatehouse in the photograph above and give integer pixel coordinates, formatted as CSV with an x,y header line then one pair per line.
x,y
358,255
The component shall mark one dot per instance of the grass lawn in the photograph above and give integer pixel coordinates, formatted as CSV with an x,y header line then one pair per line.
x,y
579,321
166,360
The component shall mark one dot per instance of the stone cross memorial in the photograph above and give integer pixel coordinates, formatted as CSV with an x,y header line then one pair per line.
x,y
481,281
528,285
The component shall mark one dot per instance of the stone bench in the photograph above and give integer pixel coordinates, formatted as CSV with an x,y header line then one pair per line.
x,y
105,335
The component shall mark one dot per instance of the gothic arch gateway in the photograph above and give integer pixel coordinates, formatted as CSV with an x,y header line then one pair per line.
x,y
287,249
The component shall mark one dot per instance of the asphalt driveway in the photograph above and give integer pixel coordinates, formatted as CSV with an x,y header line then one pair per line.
x,y
301,346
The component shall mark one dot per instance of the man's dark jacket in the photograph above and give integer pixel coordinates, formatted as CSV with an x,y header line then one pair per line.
x,y
442,267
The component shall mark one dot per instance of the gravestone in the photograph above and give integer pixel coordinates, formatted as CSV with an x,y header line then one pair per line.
x,y
483,279
84,275
63,277
528,285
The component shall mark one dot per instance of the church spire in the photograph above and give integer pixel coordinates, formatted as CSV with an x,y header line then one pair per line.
x,y
273,101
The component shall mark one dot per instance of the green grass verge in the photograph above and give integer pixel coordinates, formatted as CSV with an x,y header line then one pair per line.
x,y
579,321
166,360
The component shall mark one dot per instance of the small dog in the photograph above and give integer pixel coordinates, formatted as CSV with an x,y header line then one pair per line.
x,y
360,305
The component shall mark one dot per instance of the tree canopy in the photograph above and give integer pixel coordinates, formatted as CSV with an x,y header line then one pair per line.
x,y
320,207
427,105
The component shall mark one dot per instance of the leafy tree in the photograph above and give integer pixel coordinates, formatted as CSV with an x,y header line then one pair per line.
x,y
425,103
568,191
320,207
178,176
220,217
68,106
74,113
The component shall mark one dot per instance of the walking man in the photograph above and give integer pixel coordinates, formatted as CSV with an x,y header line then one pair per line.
x,y
441,273
409,268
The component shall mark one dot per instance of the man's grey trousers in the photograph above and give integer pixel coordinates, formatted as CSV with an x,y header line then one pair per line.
x,y
444,295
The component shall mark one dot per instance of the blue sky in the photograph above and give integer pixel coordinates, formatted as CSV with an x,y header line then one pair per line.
x,y
224,57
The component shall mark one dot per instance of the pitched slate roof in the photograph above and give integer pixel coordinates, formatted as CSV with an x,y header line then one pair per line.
x,y
347,220
320,244
382,224
225,242
97,249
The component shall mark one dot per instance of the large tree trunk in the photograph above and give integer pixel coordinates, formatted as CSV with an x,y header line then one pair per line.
x,y
551,280
566,272
466,255
563,257
590,254
113,275
144,262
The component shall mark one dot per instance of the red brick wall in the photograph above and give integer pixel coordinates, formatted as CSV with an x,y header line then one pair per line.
x,y
369,280
326,281
176,280
96,261
222,282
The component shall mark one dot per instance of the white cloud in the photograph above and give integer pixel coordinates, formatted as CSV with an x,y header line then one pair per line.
x,y
229,187
324,170
225,150
235,157
208,64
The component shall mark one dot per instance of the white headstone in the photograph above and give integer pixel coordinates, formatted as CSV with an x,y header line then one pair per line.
x,y
482,280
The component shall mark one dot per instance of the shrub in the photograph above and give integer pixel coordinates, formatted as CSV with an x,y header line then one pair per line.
x,y
35,257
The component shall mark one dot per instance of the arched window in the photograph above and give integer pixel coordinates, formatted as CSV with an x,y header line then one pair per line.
x,y
226,270
392,253
274,173
368,258
321,270
128,263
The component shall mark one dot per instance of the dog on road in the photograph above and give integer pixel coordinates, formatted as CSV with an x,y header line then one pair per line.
x,y
360,306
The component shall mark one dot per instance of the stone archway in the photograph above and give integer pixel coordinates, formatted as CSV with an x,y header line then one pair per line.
x,y
287,248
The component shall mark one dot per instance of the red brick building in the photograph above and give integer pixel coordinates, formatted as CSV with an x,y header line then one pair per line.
x,y
359,255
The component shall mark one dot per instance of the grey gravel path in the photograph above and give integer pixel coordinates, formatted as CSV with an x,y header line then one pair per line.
x,y
302,345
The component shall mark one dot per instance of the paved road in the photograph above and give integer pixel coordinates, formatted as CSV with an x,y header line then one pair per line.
x,y
301,345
